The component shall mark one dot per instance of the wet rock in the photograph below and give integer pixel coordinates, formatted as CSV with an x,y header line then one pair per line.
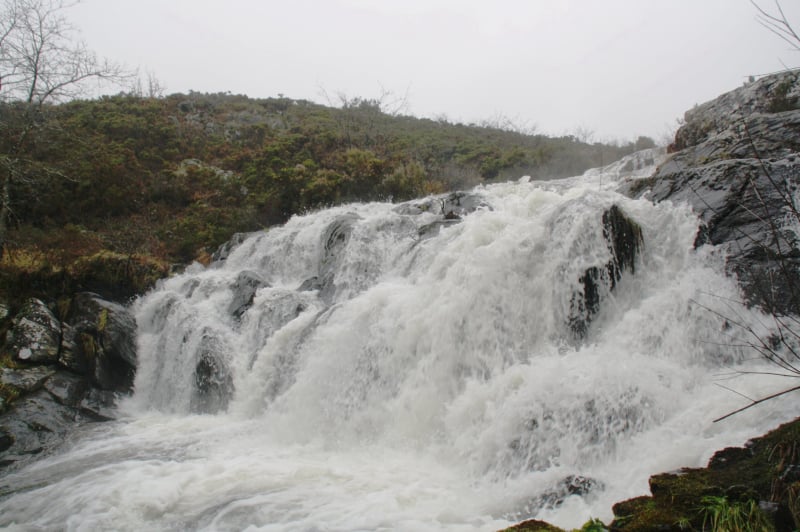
x,y
453,205
101,342
99,405
310,284
624,239
557,494
213,380
66,388
33,424
71,357
432,229
225,249
736,164
44,396
25,380
35,334
244,290
769,95
334,241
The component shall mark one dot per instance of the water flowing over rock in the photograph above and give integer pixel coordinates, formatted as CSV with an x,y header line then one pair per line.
x,y
524,349
213,383
245,287
624,239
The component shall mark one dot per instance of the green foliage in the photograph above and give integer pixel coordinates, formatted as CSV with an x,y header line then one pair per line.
x,y
723,516
594,525
174,177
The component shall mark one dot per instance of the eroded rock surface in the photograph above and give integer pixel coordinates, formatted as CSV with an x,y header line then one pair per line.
x,y
736,163
56,375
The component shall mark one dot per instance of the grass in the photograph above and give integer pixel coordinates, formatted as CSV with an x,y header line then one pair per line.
x,y
720,515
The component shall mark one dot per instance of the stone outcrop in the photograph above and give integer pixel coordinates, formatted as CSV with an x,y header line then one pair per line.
x,y
213,380
736,162
55,375
762,474
624,239
35,334
760,481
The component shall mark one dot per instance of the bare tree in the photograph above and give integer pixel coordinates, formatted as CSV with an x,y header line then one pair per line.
x,y
41,61
777,23
782,347
151,87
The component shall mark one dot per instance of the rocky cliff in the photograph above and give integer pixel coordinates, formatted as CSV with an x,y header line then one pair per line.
x,y
57,374
735,161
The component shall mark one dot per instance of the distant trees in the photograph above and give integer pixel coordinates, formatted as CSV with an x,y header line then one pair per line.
x,y
41,61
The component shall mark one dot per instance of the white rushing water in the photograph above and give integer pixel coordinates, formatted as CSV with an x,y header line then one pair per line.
x,y
425,376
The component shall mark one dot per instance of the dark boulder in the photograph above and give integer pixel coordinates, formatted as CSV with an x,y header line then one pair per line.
x,y
244,290
334,242
555,495
624,239
100,343
67,388
88,360
736,164
19,382
451,206
227,248
432,229
33,424
212,378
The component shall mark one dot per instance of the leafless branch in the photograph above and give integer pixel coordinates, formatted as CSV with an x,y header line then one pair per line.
x,y
778,24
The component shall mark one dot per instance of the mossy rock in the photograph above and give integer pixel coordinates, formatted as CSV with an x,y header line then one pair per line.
x,y
765,471
533,525
114,276
642,514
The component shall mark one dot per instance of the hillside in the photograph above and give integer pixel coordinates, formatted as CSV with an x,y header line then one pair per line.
x,y
118,189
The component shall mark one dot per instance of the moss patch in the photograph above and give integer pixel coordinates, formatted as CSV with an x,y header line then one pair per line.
x,y
758,485
764,471
112,275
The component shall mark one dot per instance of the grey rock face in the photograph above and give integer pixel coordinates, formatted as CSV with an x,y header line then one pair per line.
x,y
25,380
33,424
454,204
101,342
334,242
769,95
225,249
63,374
35,334
738,168
244,290
214,386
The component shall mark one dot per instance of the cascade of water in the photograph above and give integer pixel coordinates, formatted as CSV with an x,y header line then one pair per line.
x,y
451,363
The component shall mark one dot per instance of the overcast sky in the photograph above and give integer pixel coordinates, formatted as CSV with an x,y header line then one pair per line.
x,y
618,68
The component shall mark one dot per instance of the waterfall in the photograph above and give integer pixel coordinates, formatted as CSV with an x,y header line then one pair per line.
x,y
458,362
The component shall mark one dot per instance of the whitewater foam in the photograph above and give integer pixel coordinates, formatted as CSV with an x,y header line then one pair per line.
x,y
371,367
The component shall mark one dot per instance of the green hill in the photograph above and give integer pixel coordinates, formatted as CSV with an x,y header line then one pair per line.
x,y
149,182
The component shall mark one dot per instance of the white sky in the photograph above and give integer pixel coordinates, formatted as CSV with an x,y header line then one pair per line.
x,y
619,68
